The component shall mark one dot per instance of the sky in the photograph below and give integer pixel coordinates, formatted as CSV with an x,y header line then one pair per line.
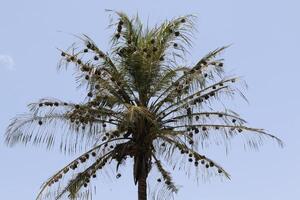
x,y
265,52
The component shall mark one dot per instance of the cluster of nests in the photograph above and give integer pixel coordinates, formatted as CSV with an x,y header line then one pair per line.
x,y
121,23
77,116
88,175
152,41
89,46
51,104
186,85
198,159
101,163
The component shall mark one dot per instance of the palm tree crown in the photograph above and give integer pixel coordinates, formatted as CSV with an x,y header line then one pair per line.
x,y
142,105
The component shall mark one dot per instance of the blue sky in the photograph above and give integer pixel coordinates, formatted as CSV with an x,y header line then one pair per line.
x,y
265,51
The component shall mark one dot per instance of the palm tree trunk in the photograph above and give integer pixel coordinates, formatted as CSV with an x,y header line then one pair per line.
x,y
142,187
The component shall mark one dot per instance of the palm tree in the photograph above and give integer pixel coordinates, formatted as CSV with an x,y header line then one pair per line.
x,y
143,105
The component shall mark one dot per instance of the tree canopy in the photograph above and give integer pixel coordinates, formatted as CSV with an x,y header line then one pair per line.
x,y
143,106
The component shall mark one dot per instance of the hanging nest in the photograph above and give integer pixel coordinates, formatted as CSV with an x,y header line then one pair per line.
x,y
168,182
74,166
118,175
82,159
97,87
89,45
66,170
188,111
98,72
90,94
118,35
84,68
101,55
121,22
119,29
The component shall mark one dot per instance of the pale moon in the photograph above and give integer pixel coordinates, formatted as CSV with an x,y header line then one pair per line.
x,y
7,62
